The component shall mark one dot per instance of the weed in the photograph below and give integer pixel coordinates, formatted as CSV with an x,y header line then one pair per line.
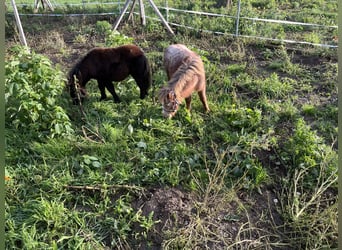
x,y
112,37
82,39
237,50
309,109
312,38
310,215
308,153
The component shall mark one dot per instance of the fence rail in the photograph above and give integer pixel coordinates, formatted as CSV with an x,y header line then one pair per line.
x,y
170,11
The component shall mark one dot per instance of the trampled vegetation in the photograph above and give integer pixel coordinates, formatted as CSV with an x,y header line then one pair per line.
x,y
258,172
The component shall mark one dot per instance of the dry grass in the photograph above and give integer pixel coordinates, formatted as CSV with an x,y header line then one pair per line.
x,y
222,219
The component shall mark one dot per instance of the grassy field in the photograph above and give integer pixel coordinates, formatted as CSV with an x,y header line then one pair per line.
x,y
258,172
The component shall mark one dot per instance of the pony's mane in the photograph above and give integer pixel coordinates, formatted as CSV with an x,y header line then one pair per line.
x,y
185,72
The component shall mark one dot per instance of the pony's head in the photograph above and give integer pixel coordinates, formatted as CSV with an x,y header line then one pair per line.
x,y
77,92
168,98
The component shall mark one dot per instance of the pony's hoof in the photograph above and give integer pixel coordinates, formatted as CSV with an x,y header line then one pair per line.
x,y
143,96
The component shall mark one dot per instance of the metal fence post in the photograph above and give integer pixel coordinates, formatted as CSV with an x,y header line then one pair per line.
x,y
237,19
167,10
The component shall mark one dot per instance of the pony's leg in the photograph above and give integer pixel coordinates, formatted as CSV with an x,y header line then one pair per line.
x,y
141,84
111,89
188,102
203,99
102,89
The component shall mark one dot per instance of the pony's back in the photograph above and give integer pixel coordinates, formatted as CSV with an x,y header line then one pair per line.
x,y
175,55
100,60
186,74
111,64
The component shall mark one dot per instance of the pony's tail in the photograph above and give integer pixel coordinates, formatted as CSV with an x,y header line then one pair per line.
x,y
147,75
141,72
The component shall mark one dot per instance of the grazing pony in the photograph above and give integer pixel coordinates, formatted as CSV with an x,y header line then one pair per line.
x,y
185,73
107,65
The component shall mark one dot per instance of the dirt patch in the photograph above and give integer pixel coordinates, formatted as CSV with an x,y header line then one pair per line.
x,y
243,219
171,208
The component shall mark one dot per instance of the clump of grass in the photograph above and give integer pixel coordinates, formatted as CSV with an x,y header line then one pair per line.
x,y
201,230
212,210
307,195
311,213
271,87
237,50
307,151
282,62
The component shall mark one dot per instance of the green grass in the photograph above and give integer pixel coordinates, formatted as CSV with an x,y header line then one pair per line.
x,y
85,183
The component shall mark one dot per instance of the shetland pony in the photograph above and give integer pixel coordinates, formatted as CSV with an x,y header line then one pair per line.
x,y
107,65
185,73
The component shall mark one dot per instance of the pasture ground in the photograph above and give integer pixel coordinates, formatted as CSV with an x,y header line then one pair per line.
x,y
233,181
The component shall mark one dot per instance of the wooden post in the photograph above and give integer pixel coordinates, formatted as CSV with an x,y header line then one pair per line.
x,y
131,12
44,2
36,4
142,13
161,17
20,28
117,22
48,3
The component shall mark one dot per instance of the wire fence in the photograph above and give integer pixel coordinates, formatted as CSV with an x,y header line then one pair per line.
x,y
236,25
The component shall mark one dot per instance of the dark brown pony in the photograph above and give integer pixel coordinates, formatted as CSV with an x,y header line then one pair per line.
x,y
107,65
185,73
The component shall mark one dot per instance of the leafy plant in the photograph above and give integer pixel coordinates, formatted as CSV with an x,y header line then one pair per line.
x,y
243,117
306,151
113,38
33,95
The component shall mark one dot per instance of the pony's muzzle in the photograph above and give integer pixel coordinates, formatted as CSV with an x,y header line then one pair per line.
x,y
168,115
